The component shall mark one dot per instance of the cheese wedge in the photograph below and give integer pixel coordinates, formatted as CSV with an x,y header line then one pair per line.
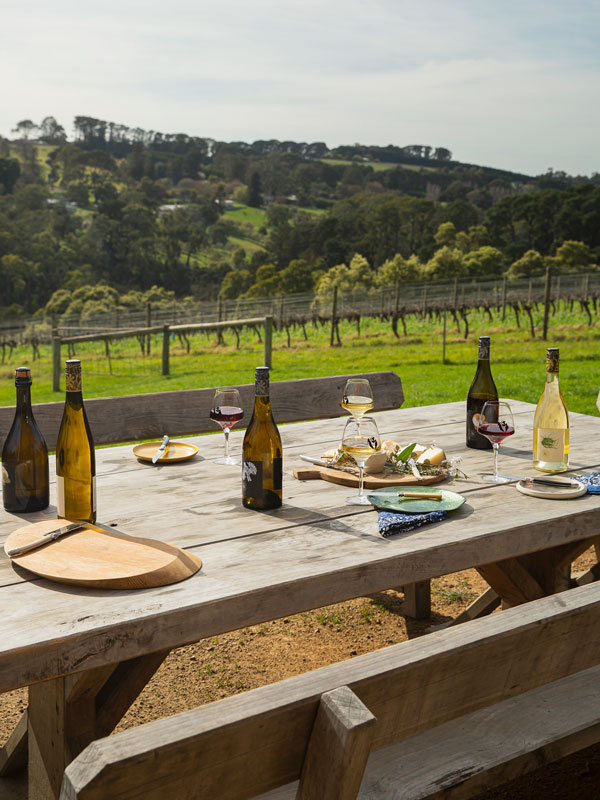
x,y
435,456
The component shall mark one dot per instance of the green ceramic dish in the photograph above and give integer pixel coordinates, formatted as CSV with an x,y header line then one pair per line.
x,y
389,499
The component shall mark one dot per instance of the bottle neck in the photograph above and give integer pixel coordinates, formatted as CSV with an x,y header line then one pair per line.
x,y
262,406
24,401
74,400
552,378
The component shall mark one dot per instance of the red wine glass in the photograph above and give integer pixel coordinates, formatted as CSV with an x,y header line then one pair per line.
x,y
496,423
226,410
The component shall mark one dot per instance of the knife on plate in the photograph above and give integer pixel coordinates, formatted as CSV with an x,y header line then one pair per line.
x,y
161,450
51,536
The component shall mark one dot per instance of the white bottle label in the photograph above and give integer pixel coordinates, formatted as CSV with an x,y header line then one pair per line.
x,y
550,444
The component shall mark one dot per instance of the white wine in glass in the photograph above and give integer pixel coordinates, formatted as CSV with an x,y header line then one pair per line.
x,y
357,397
360,440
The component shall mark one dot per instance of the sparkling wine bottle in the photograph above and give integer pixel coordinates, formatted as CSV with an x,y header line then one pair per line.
x,y
551,422
262,463
482,389
75,456
25,480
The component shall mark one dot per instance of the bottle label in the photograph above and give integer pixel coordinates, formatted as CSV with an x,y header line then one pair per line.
x,y
60,496
252,477
550,444
484,348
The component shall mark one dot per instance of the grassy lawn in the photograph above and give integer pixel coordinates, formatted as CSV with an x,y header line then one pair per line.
x,y
517,361
257,216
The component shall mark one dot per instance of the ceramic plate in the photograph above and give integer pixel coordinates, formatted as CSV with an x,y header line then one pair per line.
x,y
552,492
389,500
178,451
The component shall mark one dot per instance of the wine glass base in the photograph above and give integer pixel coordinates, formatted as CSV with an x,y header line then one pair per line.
x,y
490,478
229,460
358,500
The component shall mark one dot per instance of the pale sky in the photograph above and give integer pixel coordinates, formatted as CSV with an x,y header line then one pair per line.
x,y
513,84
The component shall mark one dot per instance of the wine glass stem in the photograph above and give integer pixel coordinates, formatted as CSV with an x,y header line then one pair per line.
x,y
360,478
226,432
496,448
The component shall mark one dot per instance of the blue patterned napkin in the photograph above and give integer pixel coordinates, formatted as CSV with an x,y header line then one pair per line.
x,y
390,523
592,481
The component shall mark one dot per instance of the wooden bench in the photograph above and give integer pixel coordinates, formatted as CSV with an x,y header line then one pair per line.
x,y
147,416
446,715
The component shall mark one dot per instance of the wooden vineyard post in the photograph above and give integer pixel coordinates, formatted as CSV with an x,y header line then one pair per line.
x,y
333,315
444,340
546,301
268,341
165,350
56,343
503,298
455,294
148,325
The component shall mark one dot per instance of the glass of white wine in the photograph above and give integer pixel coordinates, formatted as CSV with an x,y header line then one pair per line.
x,y
360,440
357,397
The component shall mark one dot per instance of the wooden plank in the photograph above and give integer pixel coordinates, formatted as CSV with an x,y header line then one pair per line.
x,y
481,607
146,416
338,749
13,756
511,581
250,743
481,750
417,600
48,747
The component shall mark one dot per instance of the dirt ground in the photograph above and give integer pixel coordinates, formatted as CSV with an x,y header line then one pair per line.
x,y
245,659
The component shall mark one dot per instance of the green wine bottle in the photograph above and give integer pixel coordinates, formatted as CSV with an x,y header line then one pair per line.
x,y
25,479
262,461
482,389
75,455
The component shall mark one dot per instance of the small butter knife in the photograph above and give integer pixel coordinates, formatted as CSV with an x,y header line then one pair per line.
x,y
407,495
161,450
415,470
51,536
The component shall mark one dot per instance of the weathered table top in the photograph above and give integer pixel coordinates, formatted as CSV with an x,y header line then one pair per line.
x,y
313,551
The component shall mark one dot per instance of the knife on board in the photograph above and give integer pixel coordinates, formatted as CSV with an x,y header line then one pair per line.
x,y
161,450
51,536
415,470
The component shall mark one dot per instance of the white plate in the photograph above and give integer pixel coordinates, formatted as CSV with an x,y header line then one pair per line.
x,y
552,492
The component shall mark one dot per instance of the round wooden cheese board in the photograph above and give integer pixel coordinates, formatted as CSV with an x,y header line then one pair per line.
x,y
377,481
100,557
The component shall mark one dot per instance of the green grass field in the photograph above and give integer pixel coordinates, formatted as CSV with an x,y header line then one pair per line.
x,y
517,361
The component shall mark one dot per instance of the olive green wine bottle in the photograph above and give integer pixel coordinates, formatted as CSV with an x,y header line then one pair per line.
x,y
262,461
25,480
75,455
482,389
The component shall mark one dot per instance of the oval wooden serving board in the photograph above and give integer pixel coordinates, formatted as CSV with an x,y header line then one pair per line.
x,y
101,557
378,481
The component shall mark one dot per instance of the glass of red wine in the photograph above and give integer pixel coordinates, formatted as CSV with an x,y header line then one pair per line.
x,y
226,410
496,423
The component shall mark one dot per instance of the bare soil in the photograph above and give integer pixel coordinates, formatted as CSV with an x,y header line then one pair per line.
x,y
244,659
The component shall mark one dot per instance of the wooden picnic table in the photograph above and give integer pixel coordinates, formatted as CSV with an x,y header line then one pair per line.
x,y
86,654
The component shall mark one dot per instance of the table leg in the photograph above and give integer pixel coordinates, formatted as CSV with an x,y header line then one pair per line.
x,y
417,600
66,714
529,577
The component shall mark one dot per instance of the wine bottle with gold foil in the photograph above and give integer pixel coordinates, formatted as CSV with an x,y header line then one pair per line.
x,y
551,422
262,461
75,455
25,480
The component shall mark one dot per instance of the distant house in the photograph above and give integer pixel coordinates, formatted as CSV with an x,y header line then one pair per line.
x,y
168,208
228,205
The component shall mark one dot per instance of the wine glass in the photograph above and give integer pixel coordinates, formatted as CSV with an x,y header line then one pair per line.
x,y
226,410
496,423
357,397
360,440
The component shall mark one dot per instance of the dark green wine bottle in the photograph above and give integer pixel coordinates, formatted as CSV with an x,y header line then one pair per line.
x,y
25,479
262,461
482,389
75,455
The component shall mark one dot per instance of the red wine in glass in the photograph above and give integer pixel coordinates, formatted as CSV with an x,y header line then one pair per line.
x,y
496,432
227,416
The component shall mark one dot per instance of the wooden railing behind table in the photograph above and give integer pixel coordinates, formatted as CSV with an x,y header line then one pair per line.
x,y
147,416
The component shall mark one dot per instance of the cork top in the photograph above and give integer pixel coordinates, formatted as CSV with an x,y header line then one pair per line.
x,y
484,348
22,376
261,381
73,373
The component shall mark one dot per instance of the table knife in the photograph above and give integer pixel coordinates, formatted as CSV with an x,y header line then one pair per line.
x,y
161,450
545,481
408,495
51,536
415,470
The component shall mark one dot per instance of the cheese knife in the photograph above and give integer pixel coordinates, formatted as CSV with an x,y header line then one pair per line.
x,y
161,450
51,536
